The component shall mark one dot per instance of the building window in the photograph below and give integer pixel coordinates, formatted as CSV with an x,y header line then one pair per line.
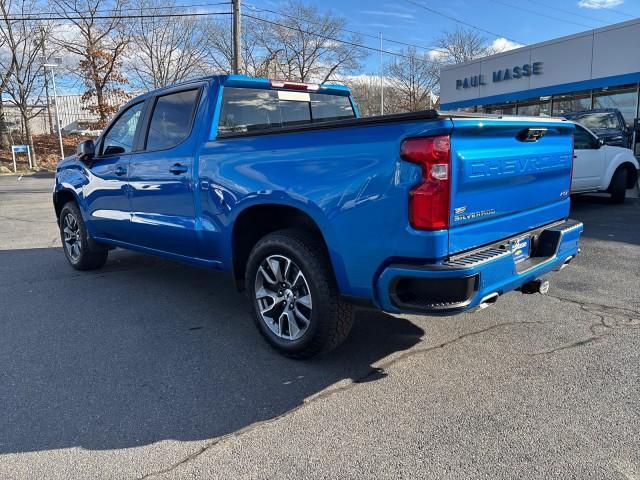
x,y
535,108
624,99
574,102
507,109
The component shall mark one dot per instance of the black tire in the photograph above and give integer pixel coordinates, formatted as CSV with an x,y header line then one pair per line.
x,y
618,186
330,319
81,257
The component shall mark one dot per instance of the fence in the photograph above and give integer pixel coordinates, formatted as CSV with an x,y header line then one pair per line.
x,y
76,122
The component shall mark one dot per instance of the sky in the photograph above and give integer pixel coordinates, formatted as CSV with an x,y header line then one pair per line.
x,y
510,22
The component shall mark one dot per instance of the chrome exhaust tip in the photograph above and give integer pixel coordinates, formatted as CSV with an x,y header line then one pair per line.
x,y
566,262
486,301
536,286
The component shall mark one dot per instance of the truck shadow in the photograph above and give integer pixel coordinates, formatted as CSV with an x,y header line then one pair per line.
x,y
147,350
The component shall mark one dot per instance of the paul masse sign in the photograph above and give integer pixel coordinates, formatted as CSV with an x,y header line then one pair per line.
x,y
501,75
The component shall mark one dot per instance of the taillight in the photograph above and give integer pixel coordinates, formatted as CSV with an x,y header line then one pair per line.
x,y
311,87
429,200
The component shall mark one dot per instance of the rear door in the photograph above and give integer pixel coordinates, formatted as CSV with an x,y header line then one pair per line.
x,y
162,177
508,176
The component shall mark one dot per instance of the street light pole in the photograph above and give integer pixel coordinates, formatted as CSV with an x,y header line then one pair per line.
x,y
55,100
381,79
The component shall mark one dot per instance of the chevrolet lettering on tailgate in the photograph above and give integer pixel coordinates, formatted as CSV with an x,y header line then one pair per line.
x,y
491,167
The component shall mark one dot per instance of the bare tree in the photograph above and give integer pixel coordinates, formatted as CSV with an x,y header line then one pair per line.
x,y
414,79
22,77
365,89
306,45
220,48
461,45
100,44
166,52
5,138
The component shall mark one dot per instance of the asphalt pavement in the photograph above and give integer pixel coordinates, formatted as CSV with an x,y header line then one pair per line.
x,y
152,369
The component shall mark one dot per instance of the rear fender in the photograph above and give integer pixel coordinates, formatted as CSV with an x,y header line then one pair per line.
x,y
310,209
614,163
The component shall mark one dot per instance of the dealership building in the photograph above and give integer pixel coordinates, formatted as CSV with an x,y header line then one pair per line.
x,y
595,69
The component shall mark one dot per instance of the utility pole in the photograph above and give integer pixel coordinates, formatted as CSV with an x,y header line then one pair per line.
x,y
55,100
381,79
46,81
237,53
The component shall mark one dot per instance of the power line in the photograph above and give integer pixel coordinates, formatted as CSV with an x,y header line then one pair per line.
x,y
540,14
355,32
553,7
327,37
457,20
113,17
137,9
619,12
169,15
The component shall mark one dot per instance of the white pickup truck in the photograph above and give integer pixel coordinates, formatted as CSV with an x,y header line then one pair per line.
x,y
598,167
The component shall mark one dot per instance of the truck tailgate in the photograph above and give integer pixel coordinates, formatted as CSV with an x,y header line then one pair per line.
x,y
505,180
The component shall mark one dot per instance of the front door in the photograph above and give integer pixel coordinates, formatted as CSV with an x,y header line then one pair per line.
x,y
107,193
161,178
589,161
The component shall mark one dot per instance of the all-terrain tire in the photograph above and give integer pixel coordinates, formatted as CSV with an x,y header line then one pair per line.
x,y
330,319
75,240
618,185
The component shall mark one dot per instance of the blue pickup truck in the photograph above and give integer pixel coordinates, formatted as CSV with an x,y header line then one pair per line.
x,y
316,211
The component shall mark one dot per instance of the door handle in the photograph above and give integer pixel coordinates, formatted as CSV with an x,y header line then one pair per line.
x,y
178,169
120,171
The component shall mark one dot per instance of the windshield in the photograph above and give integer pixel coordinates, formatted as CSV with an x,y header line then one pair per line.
x,y
596,120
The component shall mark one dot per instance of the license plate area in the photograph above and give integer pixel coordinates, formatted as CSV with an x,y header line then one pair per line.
x,y
520,248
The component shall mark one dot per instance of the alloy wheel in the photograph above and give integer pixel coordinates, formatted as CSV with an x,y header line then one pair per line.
x,y
72,237
283,297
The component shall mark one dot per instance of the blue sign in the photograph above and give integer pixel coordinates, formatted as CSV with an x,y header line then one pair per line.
x,y
501,75
20,148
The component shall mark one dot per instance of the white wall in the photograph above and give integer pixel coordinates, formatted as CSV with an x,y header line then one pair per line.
x,y
599,53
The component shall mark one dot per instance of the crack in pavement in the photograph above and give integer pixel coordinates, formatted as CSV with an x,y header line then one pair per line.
x,y
374,373
609,320
607,323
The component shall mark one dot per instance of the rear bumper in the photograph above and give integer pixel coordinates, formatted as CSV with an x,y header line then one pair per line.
x,y
470,279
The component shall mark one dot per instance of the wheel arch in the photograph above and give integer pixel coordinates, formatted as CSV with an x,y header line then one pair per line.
x,y
257,220
62,197
623,161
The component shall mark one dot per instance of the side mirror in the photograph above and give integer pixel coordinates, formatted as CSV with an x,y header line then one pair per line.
x,y
113,150
601,142
86,150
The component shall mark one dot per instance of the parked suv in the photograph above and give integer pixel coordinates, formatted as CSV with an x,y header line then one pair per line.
x,y
314,210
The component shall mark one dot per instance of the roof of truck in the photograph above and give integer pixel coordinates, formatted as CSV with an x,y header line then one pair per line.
x,y
247,82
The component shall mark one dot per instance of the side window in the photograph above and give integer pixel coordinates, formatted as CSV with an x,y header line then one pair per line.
x,y
171,120
582,139
119,138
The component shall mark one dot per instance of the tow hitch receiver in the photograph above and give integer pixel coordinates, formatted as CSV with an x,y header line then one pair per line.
x,y
535,286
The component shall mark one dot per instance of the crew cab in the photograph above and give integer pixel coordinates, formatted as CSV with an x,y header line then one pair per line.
x,y
599,167
316,211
